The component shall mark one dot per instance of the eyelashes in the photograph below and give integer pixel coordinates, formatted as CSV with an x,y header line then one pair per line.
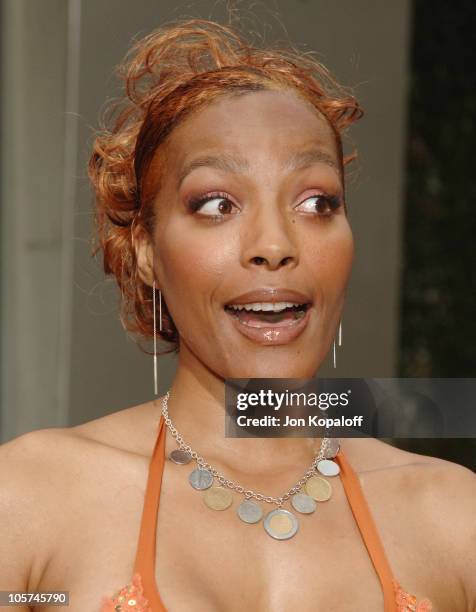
x,y
323,205
195,204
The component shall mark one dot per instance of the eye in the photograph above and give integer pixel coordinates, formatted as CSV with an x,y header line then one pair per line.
x,y
214,206
322,205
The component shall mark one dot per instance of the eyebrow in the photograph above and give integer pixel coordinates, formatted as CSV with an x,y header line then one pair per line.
x,y
228,163
239,165
303,159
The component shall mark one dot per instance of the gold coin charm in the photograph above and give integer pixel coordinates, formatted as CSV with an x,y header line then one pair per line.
x,y
218,498
281,524
318,488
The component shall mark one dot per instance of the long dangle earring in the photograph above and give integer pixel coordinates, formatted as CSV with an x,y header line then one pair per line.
x,y
155,332
339,342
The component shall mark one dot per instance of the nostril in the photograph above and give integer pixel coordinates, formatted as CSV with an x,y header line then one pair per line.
x,y
285,260
259,260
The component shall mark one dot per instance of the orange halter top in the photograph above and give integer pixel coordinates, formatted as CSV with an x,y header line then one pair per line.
x,y
141,594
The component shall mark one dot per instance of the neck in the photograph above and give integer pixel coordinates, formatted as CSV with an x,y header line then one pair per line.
x,y
196,407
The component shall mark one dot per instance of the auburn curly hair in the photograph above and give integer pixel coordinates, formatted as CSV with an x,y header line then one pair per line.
x,y
169,74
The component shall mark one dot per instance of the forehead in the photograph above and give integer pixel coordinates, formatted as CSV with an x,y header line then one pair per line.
x,y
262,127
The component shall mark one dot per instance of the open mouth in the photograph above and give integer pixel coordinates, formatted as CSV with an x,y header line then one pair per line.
x,y
268,314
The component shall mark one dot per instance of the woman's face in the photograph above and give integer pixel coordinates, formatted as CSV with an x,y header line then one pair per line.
x,y
251,200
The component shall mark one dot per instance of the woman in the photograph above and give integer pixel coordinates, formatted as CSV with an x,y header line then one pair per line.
x,y
220,185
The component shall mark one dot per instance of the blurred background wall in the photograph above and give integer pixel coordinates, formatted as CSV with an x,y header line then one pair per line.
x,y
65,358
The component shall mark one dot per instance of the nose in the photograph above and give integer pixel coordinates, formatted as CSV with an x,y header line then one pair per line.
x,y
270,242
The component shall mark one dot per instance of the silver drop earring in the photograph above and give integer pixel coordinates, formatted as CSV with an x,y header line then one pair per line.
x,y
339,342
155,332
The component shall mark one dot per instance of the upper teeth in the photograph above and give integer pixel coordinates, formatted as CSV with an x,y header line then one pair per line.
x,y
275,306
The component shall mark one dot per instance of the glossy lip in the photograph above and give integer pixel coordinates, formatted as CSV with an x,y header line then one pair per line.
x,y
272,335
271,294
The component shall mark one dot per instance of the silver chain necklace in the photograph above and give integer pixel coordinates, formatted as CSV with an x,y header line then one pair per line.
x,y
280,524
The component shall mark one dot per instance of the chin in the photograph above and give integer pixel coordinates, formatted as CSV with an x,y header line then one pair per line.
x,y
274,368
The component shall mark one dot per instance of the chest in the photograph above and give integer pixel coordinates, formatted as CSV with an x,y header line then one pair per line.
x,y
207,559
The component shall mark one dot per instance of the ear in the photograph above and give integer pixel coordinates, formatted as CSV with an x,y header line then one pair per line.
x,y
145,257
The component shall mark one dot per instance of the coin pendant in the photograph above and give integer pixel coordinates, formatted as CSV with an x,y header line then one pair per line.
x,y
249,511
218,498
327,467
318,488
180,456
200,479
303,503
281,524
333,447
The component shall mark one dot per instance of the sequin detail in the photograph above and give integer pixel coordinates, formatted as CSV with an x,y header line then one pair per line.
x,y
129,599
408,603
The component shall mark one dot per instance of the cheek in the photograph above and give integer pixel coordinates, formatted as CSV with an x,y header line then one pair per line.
x,y
331,258
193,266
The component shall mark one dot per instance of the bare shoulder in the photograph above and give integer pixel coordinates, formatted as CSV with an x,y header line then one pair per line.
x,y
437,484
432,500
131,430
29,462
30,492
43,461
29,469
47,448
44,475
372,455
